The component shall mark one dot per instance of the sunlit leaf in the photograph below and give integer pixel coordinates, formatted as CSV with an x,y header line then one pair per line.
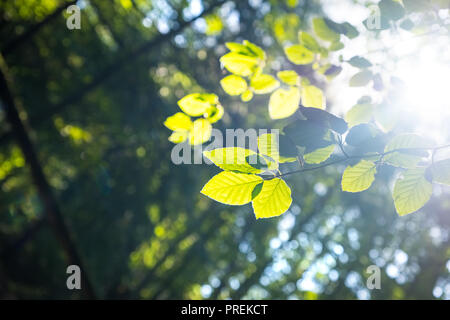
x,y
289,77
391,10
269,145
247,95
214,24
231,188
359,177
233,85
179,121
257,51
196,104
360,113
360,62
416,5
336,46
322,30
440,171
215,113
239,48
264,83
239,64
411,191
312,97
284,102
361,78
178,136
273,200
298,54
232,159
309,42
411,148
319,155
200,132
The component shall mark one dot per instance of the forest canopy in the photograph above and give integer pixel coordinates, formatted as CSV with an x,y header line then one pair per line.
x,y
196,149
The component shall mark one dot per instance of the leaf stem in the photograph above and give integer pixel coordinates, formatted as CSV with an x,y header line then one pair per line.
x,y
347,157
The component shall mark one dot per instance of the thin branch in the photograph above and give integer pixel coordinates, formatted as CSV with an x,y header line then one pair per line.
x,y
112,69
14,43
45,192
360,157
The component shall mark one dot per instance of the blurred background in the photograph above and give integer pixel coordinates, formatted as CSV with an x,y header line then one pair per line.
x,y
93,102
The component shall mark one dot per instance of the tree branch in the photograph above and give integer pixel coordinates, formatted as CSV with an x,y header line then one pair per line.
x,y
360,157
112,69
14,43
46,195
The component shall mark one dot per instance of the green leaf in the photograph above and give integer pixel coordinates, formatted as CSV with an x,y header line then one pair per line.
x,y
440,172
416,5
264,83
407,24
247,96
312,97
258,162
231,188
332,71
361,78
360,134
391,10
325,119
336,46
298,54
257,190
288,150
308,134
179,121
215,113
406,143
273,200
269,145
239,48
360,62
232,159
412,191
179,136
359,177
350,31
342,28
214,24
200,132
309,42
322,30
360,113
196,104
233,85
289,77
284,102
239,64
257,51
319,155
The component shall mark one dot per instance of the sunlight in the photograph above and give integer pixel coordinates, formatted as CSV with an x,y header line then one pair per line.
x,y
426,95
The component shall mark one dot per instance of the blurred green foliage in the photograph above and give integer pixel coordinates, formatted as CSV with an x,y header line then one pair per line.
x,y
95,110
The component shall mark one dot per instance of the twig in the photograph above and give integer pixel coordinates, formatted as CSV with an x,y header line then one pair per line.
x,y
45,192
